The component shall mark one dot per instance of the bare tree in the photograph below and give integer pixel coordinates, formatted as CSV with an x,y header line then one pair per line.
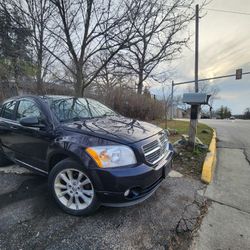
x,y
37,15
159,25
111,77
90,27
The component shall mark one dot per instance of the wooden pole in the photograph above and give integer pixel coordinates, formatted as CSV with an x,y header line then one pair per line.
x,y
195,108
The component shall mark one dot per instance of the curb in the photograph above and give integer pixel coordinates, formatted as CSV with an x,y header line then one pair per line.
x,y
209,162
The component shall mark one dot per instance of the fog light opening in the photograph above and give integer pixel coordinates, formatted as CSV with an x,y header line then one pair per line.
x,y
126,193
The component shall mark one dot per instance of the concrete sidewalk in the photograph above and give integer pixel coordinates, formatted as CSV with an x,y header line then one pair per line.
x,y
227,224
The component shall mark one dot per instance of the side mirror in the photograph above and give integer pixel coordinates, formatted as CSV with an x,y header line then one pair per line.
x,y
31,122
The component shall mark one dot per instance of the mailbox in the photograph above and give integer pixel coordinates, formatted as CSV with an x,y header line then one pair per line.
x,y
195,98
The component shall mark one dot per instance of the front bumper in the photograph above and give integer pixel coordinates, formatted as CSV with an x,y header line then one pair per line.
x,y
142,181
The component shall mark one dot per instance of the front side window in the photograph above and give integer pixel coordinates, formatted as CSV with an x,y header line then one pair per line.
x,y
27,108
8,110
67,109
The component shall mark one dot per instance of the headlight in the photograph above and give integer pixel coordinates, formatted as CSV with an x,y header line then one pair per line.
x,y
112,156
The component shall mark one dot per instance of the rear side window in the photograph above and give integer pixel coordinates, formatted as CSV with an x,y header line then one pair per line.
x,y
8,110
27,108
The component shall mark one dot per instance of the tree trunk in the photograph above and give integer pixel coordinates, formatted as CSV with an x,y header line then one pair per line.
x,y
39,65
39,81
140,84
78,90
78,85
39,88
16,76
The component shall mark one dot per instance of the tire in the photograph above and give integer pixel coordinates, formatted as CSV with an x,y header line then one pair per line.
x,y
4,161
72,189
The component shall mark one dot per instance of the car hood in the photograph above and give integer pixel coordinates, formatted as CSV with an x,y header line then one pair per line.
x,y
116,128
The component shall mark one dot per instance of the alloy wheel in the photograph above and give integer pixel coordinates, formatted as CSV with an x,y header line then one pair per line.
x,y
74,189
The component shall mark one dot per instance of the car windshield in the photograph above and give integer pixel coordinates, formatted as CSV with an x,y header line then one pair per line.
x,y
73,109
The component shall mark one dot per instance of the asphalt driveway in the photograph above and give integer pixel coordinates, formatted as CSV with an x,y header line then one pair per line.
x,y
29,219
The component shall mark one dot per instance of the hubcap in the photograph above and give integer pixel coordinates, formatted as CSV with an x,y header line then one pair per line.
x,y
74,189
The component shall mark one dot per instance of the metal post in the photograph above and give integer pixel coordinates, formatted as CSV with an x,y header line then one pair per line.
x,y
195,108
172,101
196,73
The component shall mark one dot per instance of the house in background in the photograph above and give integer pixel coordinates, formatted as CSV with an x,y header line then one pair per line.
x,y
179,112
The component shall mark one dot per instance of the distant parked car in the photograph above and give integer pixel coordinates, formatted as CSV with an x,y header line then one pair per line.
x,y
91,155
232,118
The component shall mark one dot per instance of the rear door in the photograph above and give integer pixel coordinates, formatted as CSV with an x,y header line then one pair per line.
x,y
7,123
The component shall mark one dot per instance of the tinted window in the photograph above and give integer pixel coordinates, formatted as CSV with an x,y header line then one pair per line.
x,y
78,108
27,108
8,110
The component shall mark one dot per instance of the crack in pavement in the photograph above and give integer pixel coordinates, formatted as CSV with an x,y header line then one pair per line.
x,y
228,205
233,147
246,156
191,213
244,150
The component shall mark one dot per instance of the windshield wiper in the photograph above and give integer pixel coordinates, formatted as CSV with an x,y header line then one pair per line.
x,y
75,119
107,114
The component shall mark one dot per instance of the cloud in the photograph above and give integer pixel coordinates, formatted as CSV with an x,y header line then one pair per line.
x,y
228,96
224,57
224,47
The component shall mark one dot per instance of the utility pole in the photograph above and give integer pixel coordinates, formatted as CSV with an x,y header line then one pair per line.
x,y
196,71
195,108
172,101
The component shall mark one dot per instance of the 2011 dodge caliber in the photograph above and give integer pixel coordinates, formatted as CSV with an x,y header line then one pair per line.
x,y
92,155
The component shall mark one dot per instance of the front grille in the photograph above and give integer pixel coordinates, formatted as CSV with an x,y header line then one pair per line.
x,y
156,150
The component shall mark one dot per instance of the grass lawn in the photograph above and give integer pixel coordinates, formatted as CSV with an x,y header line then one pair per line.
x,y
188,162
182,127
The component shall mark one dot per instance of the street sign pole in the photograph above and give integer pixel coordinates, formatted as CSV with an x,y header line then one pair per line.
x,y
195,108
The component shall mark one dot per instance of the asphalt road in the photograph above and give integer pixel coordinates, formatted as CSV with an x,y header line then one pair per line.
x,y
29,219
227,224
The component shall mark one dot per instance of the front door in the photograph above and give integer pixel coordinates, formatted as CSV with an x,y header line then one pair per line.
x,y
31,144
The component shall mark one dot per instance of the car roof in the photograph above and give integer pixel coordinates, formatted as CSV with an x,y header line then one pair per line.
x,y
16,98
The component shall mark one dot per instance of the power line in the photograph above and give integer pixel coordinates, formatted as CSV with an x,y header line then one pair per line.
x,y
228,11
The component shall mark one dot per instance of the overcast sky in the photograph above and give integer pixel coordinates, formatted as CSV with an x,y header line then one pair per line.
x,y
224,47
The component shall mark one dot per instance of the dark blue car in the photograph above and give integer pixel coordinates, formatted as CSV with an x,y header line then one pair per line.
x,y
91,155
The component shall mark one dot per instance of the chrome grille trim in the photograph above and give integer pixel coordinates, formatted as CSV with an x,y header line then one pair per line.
x,y
156,150
152,151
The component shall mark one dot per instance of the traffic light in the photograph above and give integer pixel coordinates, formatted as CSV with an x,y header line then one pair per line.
x,y
238,74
